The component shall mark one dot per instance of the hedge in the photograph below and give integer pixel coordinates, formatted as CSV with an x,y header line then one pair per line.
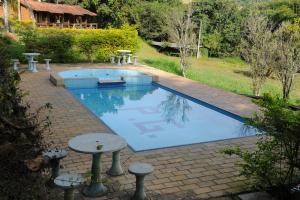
x,y
79,45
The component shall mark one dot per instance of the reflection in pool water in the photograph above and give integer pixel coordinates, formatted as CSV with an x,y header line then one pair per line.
x,y
151,116
175,108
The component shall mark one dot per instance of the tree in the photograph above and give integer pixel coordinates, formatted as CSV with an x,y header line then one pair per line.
x,y
280,11
6,6
287,57
222,23
181,32
5,15
152,20
256,48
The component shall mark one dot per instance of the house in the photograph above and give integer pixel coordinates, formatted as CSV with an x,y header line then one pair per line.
x,y
55,15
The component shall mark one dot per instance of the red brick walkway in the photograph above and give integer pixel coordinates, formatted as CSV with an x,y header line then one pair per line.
x,y
188,172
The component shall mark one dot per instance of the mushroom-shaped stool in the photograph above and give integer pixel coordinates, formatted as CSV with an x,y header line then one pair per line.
x,y
54,156
69,182
140,170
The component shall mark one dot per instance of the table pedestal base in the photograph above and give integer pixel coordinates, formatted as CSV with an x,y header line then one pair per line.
x,y
116,168
124,60
69,194
55,172
96,188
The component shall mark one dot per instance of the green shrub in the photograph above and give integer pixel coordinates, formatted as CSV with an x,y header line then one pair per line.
x,y
77,45
204,52
22,132
12,49
275,164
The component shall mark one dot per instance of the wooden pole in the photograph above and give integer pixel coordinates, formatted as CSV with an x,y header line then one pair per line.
x,y
199,40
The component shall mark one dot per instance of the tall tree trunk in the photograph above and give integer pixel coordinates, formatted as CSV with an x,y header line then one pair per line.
x,y
286,86
199,40
256,87
5,15
19,10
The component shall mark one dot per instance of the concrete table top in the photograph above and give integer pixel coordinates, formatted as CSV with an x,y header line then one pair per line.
x,y
31,54
124,51
88,143
140,168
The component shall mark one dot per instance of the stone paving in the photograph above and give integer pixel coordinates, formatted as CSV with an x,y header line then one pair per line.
x,y
197,171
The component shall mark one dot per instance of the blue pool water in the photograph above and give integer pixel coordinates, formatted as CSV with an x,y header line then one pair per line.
x,y
152,117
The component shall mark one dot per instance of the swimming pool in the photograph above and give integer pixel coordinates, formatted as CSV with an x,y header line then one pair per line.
x,y
152,116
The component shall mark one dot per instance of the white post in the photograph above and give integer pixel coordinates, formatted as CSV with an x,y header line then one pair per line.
x,y
199,40
124,59
47,65
129,59
112,59
15,64
119,60
34,69
30,63
134,60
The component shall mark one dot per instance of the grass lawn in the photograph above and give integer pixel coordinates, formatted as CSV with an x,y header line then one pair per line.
x,y
230,74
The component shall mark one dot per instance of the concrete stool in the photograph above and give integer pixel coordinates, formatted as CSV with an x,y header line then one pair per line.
x,y
135,59
47,65
33,64
119,60
140,170
129,59
55,155
124,60
112,59
15,62
69,182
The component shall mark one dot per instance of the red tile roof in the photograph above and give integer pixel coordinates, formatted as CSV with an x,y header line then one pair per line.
x,y
57,8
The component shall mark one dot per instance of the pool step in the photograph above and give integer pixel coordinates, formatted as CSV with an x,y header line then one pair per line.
x,y
111,82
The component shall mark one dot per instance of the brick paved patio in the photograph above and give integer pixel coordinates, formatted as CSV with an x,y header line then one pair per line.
x,y
190,172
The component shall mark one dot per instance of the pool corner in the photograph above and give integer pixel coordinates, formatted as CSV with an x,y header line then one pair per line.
x,y
56,80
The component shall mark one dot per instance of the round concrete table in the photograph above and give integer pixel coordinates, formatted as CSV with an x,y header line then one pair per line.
x,y
30,58
124,52
96,144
